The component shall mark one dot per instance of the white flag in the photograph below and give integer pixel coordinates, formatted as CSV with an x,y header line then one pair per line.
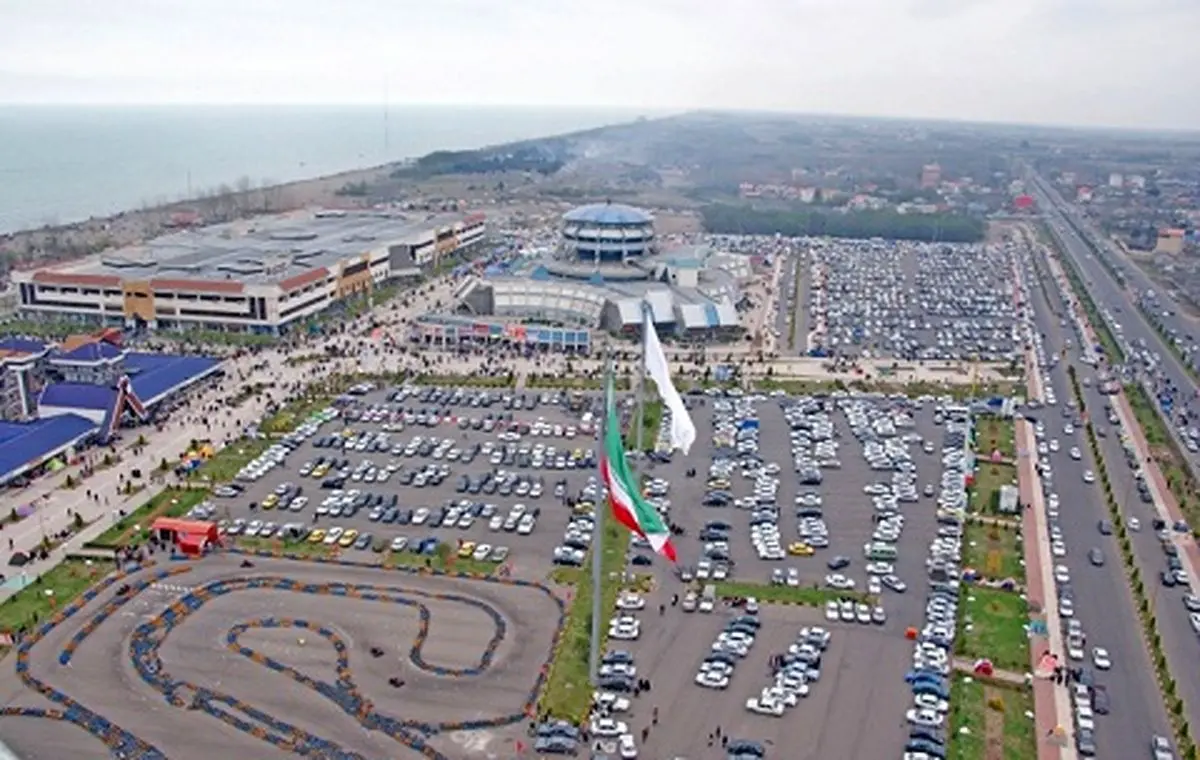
x,y
683,431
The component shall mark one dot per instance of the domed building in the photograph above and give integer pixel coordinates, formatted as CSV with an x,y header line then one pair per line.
x,y
607,233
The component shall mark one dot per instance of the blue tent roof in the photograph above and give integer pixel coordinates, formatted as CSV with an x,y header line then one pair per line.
x,y
608,213
155,375
22,345
78,396
91,352
26,443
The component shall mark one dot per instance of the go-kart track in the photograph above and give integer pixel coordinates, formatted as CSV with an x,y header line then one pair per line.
x,y
325,660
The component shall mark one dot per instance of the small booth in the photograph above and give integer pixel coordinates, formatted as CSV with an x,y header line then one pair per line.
x,y
191,537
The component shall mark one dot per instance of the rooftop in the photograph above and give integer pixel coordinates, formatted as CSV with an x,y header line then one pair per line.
x,y
608,213
23,442
262,251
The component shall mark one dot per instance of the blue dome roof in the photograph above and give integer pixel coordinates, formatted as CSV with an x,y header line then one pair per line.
x,y
608,213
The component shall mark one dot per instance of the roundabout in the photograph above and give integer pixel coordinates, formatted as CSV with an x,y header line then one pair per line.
x,y
285,658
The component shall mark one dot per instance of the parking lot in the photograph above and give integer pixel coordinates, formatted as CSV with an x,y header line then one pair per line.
x,y
837,493
913,301
706,668
411,471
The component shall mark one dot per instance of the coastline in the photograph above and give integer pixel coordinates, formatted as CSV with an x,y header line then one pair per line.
x,y
59,244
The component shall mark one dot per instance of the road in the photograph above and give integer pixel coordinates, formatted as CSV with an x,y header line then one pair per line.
x,y
1179,641
1120,305
1103,602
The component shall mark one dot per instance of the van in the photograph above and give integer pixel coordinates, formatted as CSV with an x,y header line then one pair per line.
x,y
708,598
879,551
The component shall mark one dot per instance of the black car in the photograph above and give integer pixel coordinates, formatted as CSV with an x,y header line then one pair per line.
x,y
617,684
838,562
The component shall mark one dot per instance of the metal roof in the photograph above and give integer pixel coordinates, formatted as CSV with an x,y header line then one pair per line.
x,y
262,251
608,213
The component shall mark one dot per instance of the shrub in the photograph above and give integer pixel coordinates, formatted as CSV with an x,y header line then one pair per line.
x,y
996,703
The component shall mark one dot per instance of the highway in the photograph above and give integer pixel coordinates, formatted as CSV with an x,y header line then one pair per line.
x,y
1179,641
1102,602
1120,306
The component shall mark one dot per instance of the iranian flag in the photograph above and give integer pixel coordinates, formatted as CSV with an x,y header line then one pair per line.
x,y
624,495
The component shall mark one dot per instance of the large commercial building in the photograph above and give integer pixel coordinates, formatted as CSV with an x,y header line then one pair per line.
x,y
607,232
264,275
605,271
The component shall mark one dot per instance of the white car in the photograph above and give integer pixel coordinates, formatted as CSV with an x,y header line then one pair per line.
x,y
922,717
931,702
831,611
608,727
610,702
712,679
1100,658
771,708
631,602
1089,476
839,581
625,744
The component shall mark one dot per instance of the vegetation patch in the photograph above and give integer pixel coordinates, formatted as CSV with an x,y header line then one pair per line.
x,y
989,477
809,596
568,691
992,626
731,219
466,381
293,415
958,392
226,463
995,718
995,434
993,550
53,590
1165,452
134,528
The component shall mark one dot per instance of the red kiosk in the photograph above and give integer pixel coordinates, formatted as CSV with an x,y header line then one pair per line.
x,y
192,537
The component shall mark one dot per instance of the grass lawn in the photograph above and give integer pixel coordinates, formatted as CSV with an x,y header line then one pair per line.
x,y
994,717
568,690
466,381
444,561
652,414
226,463
993,550
967,706
768,594
1166,452
134,528
997,629
67,580
293,415
989,476
995,433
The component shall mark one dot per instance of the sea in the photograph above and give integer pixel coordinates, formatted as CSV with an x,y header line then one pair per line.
x,y
60,164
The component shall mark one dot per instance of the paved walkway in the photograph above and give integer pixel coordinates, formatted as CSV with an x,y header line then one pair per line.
x,y
206,417
964,665
1052,705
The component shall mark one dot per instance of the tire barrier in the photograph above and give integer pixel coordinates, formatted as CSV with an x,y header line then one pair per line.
x,y
148,638
121,743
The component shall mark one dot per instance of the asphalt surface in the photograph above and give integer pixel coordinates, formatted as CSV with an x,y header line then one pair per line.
x,y
1108,295
863,671
530,554
101,675
1103,603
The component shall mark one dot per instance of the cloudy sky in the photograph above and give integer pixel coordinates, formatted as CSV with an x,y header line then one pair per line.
x,y
1097,62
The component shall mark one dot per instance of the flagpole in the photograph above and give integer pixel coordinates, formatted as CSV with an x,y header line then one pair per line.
x,y
641,380
598,538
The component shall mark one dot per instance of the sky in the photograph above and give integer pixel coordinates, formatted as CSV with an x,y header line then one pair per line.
x,y
1121,63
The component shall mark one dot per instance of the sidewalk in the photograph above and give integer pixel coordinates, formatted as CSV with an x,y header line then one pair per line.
x,y
1051,702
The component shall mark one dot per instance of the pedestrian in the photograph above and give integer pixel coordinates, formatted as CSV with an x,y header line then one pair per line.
x,y
645,734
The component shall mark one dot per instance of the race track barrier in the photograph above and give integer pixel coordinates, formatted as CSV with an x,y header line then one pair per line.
x,y
120,743
147,639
